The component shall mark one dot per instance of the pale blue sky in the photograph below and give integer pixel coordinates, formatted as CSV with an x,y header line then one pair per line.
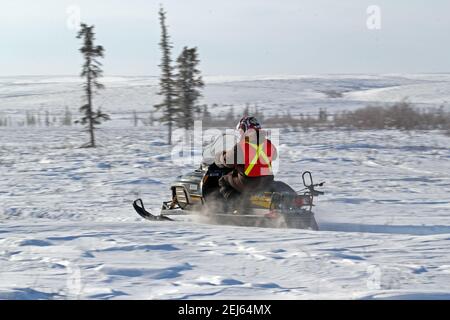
x,y
235,37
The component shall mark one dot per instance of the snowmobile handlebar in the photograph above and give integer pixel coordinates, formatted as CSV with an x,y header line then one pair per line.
x,y
317,193
311,186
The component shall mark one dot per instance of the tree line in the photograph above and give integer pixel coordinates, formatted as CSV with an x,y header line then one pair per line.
x,y
400,116
180,84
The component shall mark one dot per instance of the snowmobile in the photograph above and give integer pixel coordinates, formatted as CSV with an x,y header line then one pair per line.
x,y
197,194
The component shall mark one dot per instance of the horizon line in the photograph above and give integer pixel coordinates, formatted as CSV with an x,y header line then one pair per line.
x,y
240,75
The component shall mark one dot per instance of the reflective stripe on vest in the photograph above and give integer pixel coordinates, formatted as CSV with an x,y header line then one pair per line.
x,y
260,160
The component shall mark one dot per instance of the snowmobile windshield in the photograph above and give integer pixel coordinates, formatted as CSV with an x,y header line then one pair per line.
x,y
218,144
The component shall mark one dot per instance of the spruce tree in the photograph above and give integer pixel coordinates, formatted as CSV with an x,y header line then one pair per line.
x,y
206,115
188,85
166,82
67,120
47,118
229,117
246,109
91,71
135,118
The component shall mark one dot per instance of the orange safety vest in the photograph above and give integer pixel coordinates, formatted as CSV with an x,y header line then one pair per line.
x,y
257,158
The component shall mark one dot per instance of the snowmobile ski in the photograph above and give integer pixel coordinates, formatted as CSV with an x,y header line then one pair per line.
x,y
138,205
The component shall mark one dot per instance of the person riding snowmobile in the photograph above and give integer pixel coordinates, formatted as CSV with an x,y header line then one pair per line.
x,y
250,158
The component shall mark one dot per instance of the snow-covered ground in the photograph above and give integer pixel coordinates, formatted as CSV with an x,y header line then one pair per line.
x,y
68,230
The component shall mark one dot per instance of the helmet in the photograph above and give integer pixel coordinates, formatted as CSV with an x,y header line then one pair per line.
x,y
247,122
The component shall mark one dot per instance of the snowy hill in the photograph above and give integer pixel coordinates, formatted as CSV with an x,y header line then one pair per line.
x,y
272,93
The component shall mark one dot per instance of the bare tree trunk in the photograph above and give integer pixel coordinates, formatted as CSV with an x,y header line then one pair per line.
x,y
170,122
135,118
170,133
91,118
